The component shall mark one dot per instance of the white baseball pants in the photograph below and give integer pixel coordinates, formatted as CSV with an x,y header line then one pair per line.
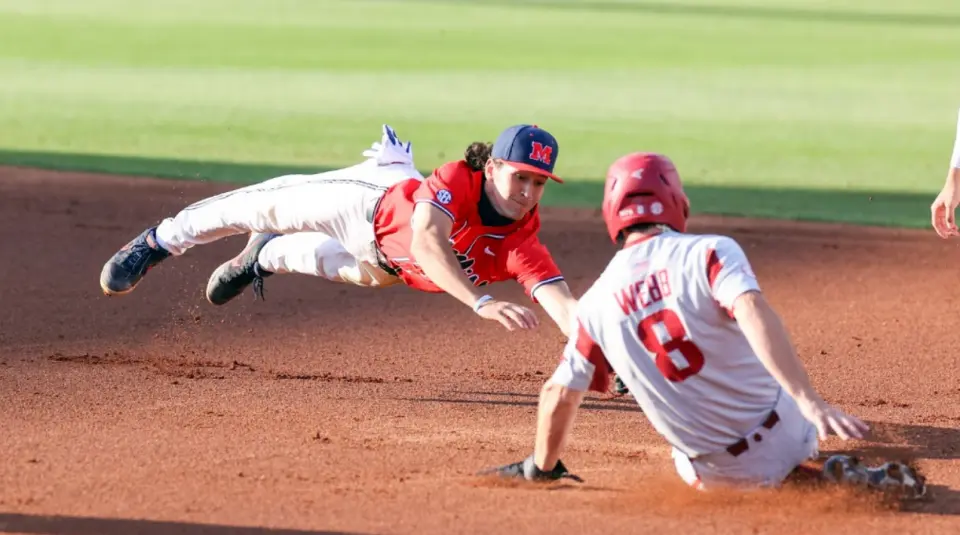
x,y
771,455
323,219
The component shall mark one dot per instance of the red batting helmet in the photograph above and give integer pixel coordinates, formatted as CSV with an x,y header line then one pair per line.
x,y
644,187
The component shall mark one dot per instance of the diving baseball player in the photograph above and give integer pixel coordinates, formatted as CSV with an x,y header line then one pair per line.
x,y
681,320
944,207
378,223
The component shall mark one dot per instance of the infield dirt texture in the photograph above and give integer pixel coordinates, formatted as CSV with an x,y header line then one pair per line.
x,y
334,409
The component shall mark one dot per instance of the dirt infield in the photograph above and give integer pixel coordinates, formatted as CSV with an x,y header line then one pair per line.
x,y
334,409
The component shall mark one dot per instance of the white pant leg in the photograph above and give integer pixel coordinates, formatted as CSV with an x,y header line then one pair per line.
x,y
315,253
334,203
685,469
766,463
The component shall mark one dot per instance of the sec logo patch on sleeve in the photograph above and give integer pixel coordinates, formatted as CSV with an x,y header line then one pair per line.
x,y
444,196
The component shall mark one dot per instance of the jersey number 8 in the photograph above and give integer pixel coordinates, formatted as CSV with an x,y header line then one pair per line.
x,y
677,342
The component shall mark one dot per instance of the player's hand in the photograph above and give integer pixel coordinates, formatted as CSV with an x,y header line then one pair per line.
x,y
828,419
509,315
943,210
527,469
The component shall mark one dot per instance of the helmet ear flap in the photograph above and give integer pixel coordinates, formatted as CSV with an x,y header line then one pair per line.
x,y
686,207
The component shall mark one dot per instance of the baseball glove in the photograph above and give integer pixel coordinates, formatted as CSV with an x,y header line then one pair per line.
x,y
527,469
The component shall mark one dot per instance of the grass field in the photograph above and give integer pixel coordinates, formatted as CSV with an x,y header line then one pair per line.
x,y
839,110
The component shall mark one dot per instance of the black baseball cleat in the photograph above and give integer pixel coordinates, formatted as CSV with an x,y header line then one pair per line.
x,y
619,387
126,268
232,277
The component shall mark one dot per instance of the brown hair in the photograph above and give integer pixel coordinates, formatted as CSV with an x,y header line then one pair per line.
x,y
477,155
640,227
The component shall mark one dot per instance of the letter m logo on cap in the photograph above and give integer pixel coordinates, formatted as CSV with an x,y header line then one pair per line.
x,y
541,153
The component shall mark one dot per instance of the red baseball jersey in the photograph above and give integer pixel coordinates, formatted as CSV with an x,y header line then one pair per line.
x,y
486,253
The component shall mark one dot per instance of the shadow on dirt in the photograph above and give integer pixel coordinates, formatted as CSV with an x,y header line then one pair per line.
x,y
75,525
924,441
530,400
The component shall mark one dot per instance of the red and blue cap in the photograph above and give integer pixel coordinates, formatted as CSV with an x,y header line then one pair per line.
x,y
528,148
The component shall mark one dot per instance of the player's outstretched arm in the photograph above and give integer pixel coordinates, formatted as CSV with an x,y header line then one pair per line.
x,y
943,209
557,410
560,400
559,303
769,339
555,415
431,247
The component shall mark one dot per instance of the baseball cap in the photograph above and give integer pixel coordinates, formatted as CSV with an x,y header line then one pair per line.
x,y
528,148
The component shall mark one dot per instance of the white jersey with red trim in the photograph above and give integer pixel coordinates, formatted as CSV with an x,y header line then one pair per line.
x,y
660,316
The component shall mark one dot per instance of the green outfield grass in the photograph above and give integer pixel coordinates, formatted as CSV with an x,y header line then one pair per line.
x,y
812,109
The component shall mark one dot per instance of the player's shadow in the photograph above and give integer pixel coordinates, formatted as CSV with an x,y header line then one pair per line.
x,y
912,443
529,400
926,442
75,525
589,398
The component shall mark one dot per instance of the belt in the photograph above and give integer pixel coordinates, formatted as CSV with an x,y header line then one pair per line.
x,y
382,260
737,448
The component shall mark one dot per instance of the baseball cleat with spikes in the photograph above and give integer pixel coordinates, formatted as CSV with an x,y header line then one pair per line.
x,y
122,273
232,277
895,478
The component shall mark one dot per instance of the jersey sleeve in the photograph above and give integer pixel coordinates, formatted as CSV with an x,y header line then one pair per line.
x,y
448,188
729,273
584,366
531,264
955,159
